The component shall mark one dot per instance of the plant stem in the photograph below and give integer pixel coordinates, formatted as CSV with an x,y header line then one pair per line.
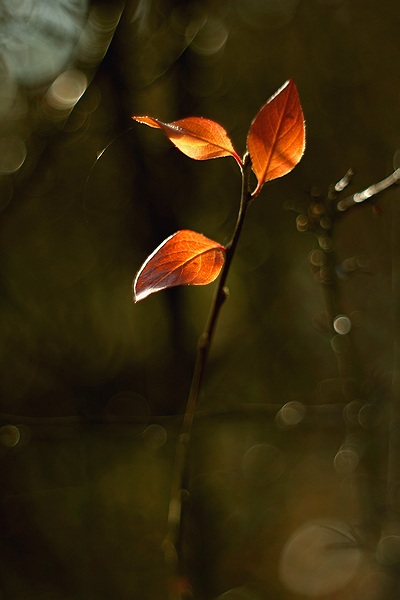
x,y
172,543
372,190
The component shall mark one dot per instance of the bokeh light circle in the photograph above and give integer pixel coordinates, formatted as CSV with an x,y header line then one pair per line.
x,y
12,154
67,89
9,436
342,324
319,558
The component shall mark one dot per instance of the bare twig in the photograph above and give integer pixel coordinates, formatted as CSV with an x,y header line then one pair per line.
x,y
370,191
344,182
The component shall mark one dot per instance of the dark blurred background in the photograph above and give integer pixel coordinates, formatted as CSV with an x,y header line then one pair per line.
x,y
290,472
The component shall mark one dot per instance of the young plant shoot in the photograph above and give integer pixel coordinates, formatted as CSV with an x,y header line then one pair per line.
x,y
275,145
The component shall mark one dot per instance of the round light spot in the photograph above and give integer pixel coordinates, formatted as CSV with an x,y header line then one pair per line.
x,y
325,222
369,416
351,412
340,344
67,89
325,243
9,435
241,593
346,461
263,464
388,551
342,324
130,405
210,37
12,154
324,275
155,436
302,223
97,34
291,414
319,558
317,258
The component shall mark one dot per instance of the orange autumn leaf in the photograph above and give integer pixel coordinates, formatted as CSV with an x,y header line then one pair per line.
x,y
196,137
184,258
276,139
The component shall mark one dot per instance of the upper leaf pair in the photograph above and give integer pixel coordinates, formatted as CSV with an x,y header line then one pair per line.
x,y
275,141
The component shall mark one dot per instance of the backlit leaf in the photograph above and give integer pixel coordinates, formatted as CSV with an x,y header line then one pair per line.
x,y
276,138
196,137
184,258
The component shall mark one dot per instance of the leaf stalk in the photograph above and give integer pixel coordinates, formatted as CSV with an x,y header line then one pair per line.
x,y
172,542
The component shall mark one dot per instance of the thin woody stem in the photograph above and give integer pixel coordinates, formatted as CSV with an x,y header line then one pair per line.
x,y
220,296
180,470
370,191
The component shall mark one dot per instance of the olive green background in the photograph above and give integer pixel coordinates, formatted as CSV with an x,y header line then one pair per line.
x,y
93,386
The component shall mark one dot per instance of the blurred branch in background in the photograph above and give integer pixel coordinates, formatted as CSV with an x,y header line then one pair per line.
x,y
371,191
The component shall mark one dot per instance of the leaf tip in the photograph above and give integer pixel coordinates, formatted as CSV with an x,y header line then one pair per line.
x,y
136,295
276,139
150,121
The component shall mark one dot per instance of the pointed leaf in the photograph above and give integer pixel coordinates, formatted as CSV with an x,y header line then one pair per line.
x,y
184,258
196,137
276,138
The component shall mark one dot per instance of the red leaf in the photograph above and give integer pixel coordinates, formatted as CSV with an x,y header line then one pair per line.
x,y
196,137
276,138
184,258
